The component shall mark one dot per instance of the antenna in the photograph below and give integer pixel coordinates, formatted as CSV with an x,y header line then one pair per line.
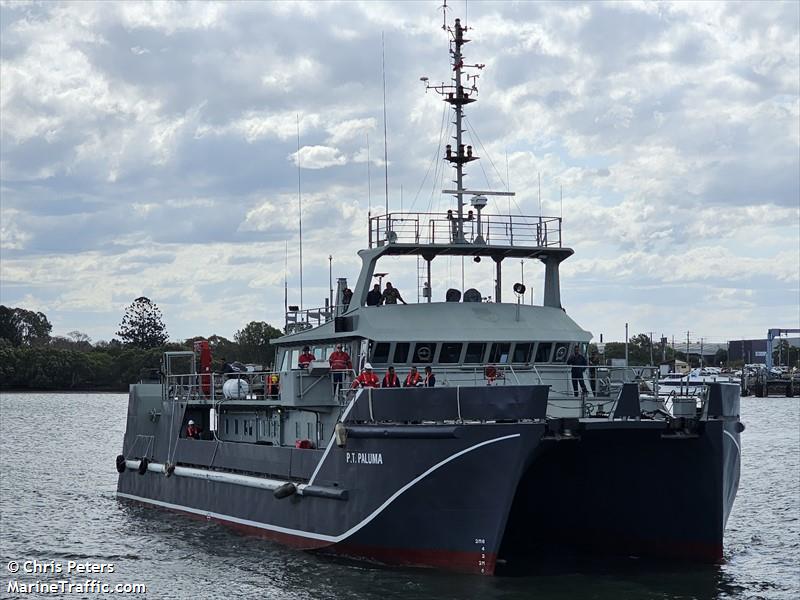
x,y
299,212
539,175
561,199
385,142
369,180
285,277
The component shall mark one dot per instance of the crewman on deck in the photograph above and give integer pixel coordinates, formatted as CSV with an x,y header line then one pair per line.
x,y
374,296
413,378
391,379
340,363
305,358
391,295
430,378
578,363
367,378
193,431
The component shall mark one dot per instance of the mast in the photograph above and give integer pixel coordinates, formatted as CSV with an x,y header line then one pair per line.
x,y
457,96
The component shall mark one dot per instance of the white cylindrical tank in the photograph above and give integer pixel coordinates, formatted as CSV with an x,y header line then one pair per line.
x,y
235,388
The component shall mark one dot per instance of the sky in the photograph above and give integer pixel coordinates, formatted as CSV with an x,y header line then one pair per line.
x,y
152,149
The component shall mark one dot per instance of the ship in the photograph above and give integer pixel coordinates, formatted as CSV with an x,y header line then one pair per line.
x,y
501,460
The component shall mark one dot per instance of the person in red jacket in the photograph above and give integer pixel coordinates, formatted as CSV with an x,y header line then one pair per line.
x,y
193,431
367,378
413,378
340,363
305,358
390,379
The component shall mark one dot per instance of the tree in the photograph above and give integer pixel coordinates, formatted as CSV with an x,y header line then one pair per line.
x,y
142,326
253,340
24,327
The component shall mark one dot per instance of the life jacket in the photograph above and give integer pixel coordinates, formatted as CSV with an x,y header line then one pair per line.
x,y
430,380
412,379
305,359
490,373
340,361
390,381
193,431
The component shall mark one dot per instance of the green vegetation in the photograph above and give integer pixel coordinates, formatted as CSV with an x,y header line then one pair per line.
x,y
31,359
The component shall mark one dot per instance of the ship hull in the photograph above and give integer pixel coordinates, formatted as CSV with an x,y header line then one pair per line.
x,y
473,494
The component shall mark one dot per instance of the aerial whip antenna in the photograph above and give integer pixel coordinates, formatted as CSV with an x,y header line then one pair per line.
x,y
299,212
385,143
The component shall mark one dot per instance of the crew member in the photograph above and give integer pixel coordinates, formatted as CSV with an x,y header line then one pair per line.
x,y
430,378
391,295
390,379
305,358
413,378
374,296
578,363
193,431
594,362
367,378
347,296
340,363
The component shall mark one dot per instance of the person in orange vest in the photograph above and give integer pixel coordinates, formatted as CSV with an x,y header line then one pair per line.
x,y
413,378
340,362
193,431
430,378
390,379
305,358
367,378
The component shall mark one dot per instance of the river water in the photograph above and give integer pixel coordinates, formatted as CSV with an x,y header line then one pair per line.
x,y
57,503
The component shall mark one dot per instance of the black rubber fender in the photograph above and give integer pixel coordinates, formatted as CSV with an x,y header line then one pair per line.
x,y
143,466
120,463
739,427
169,469
285,490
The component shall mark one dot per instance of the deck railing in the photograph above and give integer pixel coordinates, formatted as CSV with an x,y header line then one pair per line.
x,y
440,228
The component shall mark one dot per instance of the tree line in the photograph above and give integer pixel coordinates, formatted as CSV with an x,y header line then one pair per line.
x,y
32,359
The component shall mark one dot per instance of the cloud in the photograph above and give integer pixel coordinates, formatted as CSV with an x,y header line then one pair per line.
x,y
317,157
144,147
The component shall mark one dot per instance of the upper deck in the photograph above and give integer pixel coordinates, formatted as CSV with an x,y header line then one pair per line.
x,y
433,234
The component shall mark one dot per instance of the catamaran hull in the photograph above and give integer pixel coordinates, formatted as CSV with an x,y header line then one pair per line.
x,y
473,494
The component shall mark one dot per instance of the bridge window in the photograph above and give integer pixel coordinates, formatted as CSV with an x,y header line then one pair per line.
x,y
401,352
423,352
522,353
561,353
475,352
499,353
543,351
381,353
450,352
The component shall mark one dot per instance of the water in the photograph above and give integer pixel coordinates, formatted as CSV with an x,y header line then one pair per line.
x,y
57,503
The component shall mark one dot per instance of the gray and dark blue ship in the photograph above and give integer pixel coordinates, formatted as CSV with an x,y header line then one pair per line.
x,y
497,462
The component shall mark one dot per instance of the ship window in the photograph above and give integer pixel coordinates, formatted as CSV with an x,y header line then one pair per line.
x,y
499,353
297,430
543,351
226,425
236,426
475,352
423,352
450,352
381,353
401,352
522,353
308,429
562,352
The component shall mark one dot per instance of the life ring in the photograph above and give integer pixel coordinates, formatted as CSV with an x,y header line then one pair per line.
x,y
121,463
143,466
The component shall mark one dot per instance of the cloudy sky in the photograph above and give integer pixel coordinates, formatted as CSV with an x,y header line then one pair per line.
x,y
151,149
